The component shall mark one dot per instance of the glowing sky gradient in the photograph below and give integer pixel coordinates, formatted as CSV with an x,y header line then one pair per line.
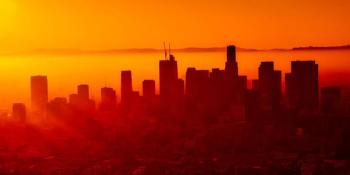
x,y
105,24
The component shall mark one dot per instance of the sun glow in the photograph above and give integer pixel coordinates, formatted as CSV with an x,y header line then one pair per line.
x,y
7,9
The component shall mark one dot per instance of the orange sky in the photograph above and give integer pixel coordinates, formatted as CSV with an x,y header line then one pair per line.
x,y
105,24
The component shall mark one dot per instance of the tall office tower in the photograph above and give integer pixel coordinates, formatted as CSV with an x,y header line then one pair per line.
x,y
330,99
270,88
108,99
255,84
242,86
168,81
199,90
180,97
197,84
19,111
58,106
277,86
126,87
302,85
149,95
252,106
82,99
39,94
74,100
217,89
83,91
190,81
149,89
231,66
289,85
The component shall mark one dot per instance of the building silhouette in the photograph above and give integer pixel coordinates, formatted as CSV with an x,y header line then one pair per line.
x,y
170,88
59,106
39,94
83,91
197,85
330,99
81,101
269,87
302,87
108,99
235,84
19,111
126,87
149,89
231,65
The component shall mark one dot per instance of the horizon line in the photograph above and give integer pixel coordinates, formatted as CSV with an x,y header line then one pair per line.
x,y
73,51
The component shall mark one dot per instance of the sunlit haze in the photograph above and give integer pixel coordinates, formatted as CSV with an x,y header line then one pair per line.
x,y
175,87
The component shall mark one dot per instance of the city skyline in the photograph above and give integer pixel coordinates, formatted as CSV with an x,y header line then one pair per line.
x,y
268,84
210,114
182,74
174,87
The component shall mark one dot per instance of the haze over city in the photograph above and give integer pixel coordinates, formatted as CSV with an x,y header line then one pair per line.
x,y
254,87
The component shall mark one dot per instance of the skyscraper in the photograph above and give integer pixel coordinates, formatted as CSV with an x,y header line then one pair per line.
x,y
302,85
149,95
126,87
217,91
197,85
269,86
231,66
83,91
39,93
236,85
168,81
108,99
149,89
330,99
19,111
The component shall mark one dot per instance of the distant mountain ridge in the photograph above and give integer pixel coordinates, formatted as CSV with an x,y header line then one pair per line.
x,y
184,50
323,48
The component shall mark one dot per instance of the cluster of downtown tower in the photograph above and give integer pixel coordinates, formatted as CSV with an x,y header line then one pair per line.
x,y
210,96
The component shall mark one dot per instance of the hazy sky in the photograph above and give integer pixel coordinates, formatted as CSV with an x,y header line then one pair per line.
x,y
105,24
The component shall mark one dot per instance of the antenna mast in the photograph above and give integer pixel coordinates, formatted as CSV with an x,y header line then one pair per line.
x,y
165,52
169,49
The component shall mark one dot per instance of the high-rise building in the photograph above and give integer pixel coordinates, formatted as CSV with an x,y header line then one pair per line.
x,y
19,111
231,66
58,106
330,99
168,81
39,94
235,84
108,99
81,101
74,100
252,105
190,81
149,95
126,87
269,88
83,91
255,84
197,85
149,89
217,91
302,87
